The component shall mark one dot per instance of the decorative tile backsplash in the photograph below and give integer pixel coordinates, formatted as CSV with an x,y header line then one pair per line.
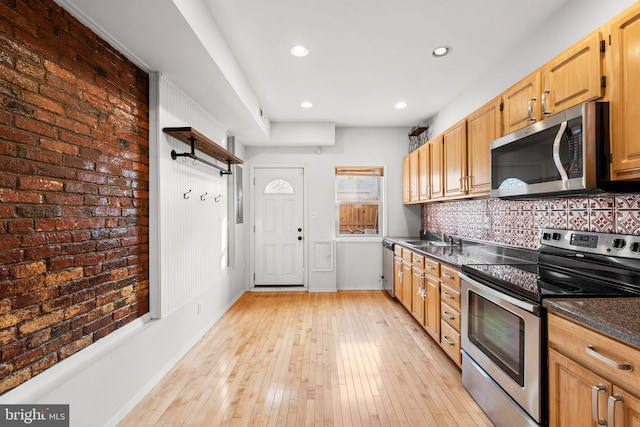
x,y
518,222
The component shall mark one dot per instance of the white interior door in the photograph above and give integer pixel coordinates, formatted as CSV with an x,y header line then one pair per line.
x,y
279,206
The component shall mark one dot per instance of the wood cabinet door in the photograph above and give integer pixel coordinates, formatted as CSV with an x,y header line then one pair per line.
x,y
414,193
521,103
417,298
406,285
424,170
625,102
436,146
626,408
432,309
455,160
483,127
397,277
570,393
572,77
406,181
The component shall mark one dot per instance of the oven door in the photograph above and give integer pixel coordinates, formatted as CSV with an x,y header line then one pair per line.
x,y
502,335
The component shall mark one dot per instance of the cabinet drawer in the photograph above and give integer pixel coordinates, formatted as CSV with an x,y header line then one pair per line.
x,y
407,255
432,267
450,315
450,342
397,250
418,260
450,296
596,351
449,276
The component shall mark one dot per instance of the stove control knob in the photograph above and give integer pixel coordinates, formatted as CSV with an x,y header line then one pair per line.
x,y
619,243
635,247
556,236
546,236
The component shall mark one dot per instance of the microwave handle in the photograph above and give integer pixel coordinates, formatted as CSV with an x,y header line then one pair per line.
x,y
556,152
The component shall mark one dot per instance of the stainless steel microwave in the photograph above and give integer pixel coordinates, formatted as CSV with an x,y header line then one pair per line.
x,y
564,153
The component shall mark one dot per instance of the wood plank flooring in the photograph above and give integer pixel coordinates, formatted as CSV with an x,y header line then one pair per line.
x,y
352,358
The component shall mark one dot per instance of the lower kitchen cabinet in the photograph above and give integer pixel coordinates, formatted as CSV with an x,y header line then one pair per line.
x,y
593,379
430,291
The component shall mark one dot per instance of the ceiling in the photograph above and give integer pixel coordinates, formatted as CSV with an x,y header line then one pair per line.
x,y
233,56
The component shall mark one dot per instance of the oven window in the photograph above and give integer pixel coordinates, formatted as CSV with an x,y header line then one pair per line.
x,y
499,334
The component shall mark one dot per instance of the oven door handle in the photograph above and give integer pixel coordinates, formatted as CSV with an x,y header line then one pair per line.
x,y
531,308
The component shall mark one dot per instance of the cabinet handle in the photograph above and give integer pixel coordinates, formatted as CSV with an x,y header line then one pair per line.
x,y
544,99
430,267
447,295
611,413
595,390
447,315
446,339
400,274
447,276
530,105
624,366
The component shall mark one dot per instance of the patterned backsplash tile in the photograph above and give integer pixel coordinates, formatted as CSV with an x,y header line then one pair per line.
x,y
518,222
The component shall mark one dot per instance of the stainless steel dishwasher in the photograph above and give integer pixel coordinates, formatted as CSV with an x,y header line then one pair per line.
x,y
387,266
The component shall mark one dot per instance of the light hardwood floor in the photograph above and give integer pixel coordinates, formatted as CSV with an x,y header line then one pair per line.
x,y
352,358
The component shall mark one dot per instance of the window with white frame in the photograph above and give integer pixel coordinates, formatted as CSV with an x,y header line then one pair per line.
x,y
359,200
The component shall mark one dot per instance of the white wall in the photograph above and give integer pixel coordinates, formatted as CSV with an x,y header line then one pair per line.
x,y
354,146
103,382
574,21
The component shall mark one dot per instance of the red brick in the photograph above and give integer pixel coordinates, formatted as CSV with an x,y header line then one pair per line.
x,y
61,262
7,336
64,276
44,103
19,79
15,380
11,196
44,363
79,309
26,300
17,316
34,239
30,69
45,225
78,163
58,146
63,199
12,134
20,226
22,271
41,252
37,183
35,126
10,255
40,323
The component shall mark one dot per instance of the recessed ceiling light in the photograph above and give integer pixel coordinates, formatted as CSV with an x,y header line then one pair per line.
x,y
299,51
401,105
441,51
306,104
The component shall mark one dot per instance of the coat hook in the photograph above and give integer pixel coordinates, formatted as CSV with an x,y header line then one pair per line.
x,y
202,197
217,198
185,194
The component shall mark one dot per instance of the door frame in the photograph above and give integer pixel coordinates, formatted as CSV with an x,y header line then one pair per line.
x,y
252,227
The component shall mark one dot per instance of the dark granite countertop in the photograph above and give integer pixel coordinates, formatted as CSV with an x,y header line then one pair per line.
x,y
617,317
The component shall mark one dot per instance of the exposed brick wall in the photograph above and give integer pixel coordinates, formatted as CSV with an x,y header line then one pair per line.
x,y
74,138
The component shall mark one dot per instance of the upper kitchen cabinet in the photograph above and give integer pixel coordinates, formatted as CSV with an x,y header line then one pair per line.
x,y
414,177
574,76
625,102
406,180
455,160
424,172
436,148
521,105
483,126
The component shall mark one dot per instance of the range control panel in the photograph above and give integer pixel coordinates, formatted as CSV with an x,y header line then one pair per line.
x,y
620,245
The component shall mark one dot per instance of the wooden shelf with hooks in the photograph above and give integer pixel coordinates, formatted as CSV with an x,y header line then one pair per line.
x,y
197,140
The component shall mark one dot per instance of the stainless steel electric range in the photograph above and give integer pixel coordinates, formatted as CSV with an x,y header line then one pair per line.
x,y
504,325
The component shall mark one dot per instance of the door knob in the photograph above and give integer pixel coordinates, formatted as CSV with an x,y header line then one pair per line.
x,y
299,237
299,230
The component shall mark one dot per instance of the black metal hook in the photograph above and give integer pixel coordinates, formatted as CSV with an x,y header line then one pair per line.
x,y
217,198
185,195
202,197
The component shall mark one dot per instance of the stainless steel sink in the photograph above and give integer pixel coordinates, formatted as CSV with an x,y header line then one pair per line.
x,y
427,243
